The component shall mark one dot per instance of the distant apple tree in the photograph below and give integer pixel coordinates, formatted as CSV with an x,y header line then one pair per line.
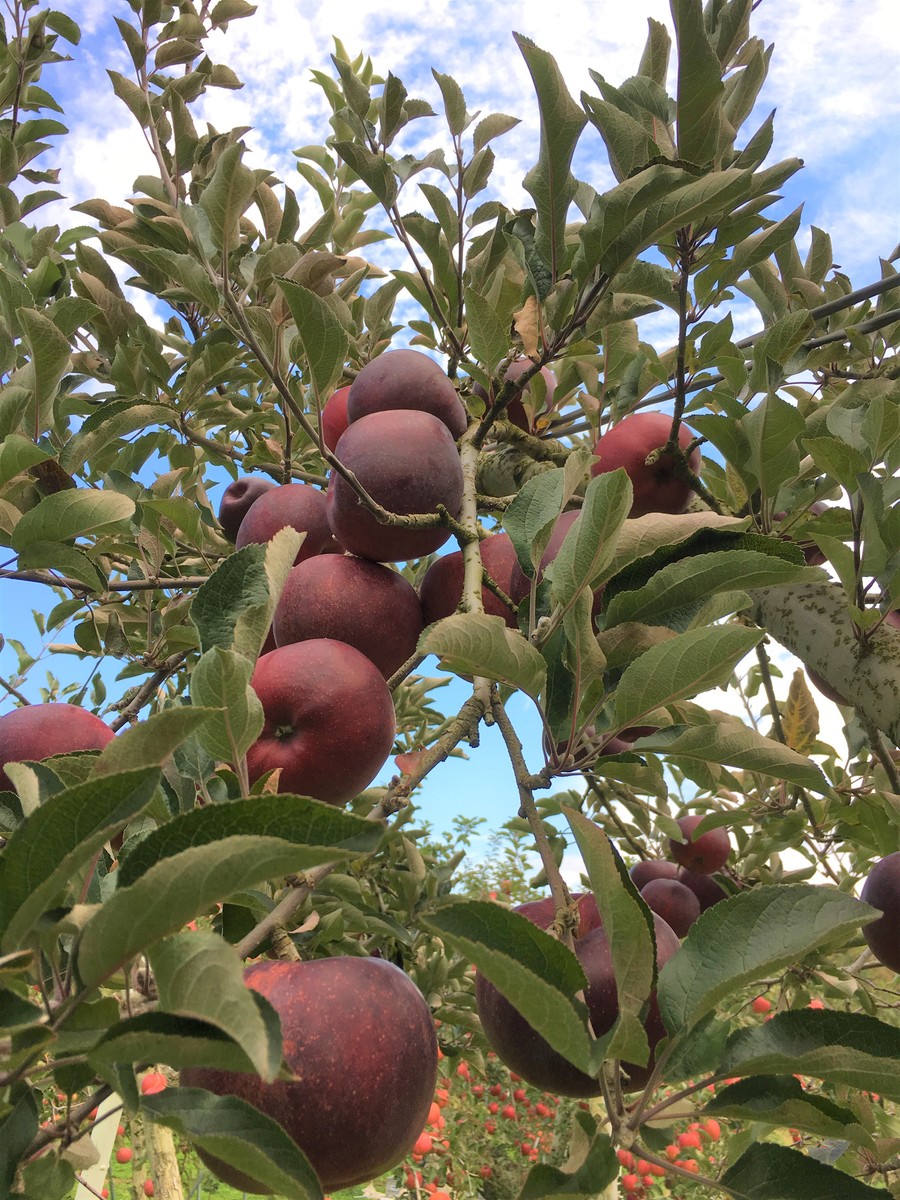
x,y
270,297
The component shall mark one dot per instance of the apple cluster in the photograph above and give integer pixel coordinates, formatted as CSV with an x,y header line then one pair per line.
x,y
346,620
676,893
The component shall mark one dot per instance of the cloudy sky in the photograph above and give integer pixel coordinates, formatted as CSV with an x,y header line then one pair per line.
x,y
833,81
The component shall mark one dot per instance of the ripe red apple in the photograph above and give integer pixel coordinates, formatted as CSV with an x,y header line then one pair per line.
x,y
441,589
334,419
675,903
703,855
237,500
656,487
329,720
524,1051
520,584
38,731
406,379
352,600
704,887
516,411
298,505
652,868
408,462
359,1040
882,891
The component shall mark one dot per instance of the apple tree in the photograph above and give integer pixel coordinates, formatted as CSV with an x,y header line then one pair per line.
x,y
384,357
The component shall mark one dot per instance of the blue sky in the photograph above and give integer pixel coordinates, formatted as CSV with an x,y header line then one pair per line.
x,y
833,80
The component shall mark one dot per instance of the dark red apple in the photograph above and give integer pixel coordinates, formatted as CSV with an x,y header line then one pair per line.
x,y
441,589
298,505
652,868
359,1041
406,379
882,891
352,600
675,903
704,887
38,731
703,855
408,462
329,720
524,1051
237,500
334,419
520,410
542,912
826,689
657,488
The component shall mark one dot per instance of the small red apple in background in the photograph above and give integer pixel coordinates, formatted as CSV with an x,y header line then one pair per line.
x,y
652,868
329,720
352,600
441,588
704,887
703,855
656,487
882,891
516,411
38,731
359,1039
124,1154
299,506
237,500
153,1082
406,379
675,903
524,1051
408,462
334,419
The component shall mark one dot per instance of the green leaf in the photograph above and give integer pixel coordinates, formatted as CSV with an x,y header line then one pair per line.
x,y
454,102
57,839
150,742
769,1172
629,928
49,352
162,1037
775,349
628,144
747,937
772,429
842,1048
226,197
221,681
66,560
133,97
689,582
736,745
177,889
597,1167
681,667
475,643
703,129
16,1013
321,333
487,336
317,832
536,973
781,1100
530,518
17,454
372,170
833,456
238,588
492,126
238,1134
588,546
114,420
550,181
198,975
72,514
